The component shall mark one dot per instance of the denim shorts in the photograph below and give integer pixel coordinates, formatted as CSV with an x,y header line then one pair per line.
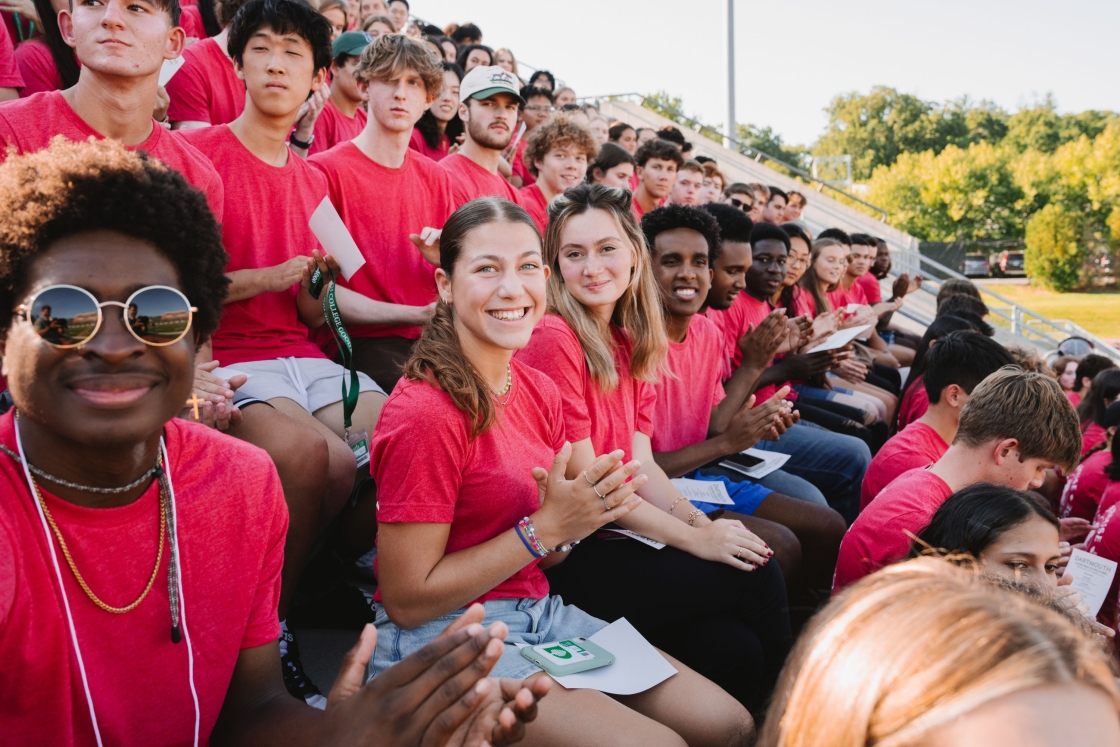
x,y
530,621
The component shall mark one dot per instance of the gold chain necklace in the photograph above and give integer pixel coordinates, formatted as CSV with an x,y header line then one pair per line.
x,y
74,568
507,391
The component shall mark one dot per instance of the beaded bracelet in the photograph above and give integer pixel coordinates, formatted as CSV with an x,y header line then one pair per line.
x,y
524,541
525,526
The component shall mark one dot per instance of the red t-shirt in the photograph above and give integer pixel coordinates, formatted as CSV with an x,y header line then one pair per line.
x,y
532,199
191,20
1104,541
609,419
483,486
1093,436
1074,398
267,210
1085,486
36,65
232,521
878,537
470,181
841,297
206,88
9,71
914,404
744,313
683,408
519,166
333,127
803,303
417,142
917,445
869,284
381,207
29,124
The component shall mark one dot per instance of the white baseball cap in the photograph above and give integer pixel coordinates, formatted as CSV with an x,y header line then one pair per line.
x,y
483,82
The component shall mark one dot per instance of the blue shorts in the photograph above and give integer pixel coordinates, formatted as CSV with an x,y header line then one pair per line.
x,y
746,495
530,621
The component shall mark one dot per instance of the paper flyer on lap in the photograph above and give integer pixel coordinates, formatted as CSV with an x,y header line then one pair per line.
x,y
328,227
1092,576
637,667
840,339
703,491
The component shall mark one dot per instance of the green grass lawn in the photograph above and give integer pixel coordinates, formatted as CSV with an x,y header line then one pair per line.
x,y
1099,313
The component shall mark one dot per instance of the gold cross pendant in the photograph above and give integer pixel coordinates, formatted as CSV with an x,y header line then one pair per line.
x,y
194,402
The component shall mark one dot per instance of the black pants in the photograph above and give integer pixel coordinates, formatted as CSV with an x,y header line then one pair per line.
x,y
731,626
840,418
886,378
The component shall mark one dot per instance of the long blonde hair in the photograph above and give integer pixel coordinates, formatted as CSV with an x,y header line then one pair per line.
x,y
809,280
638,310
915,646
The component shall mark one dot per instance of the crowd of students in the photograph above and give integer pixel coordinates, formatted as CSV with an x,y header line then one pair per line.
x,y
557,316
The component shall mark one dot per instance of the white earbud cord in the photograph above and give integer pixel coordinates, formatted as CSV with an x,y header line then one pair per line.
x,y
66,602
179,583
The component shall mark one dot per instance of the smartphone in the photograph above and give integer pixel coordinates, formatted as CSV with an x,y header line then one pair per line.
x,y
743,460
568,656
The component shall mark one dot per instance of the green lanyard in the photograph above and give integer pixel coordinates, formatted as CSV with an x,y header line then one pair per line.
x,y
345,347
19,28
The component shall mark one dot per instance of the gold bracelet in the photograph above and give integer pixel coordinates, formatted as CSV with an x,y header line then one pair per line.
x,y
681,498
694,516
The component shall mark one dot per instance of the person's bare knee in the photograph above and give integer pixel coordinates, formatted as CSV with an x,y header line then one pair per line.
x,y
574,718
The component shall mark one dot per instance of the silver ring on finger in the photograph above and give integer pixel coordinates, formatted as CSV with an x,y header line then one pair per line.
x,y
592,484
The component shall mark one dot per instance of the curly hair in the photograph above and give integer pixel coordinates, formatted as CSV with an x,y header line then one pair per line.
x,y
73,187
558,132
669,217
661,150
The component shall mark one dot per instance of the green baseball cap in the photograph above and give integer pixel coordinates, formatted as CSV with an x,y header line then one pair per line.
x,y
351,43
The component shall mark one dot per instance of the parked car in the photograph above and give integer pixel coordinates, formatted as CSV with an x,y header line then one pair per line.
x,y
1007,262
975,265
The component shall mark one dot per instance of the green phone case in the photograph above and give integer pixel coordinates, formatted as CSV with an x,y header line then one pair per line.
x,y
568,656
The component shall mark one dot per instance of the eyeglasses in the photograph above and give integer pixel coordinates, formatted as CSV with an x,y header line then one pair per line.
x,y
540,109
746,207
66,316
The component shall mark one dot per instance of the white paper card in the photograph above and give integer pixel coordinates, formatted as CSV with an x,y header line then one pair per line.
x,y
1092,576
637,667
644,540
328,227
169,68
840,339
771,460
703,491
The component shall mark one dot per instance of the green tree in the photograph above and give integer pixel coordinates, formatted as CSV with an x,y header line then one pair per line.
x,y
1055,248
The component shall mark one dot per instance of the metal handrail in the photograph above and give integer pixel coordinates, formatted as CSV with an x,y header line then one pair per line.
x,y
698,126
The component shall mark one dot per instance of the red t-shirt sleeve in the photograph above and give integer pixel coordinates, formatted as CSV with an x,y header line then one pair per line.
x,y
556,352
442,444
9,71
190,101
263,626
37,67
647,401
7,574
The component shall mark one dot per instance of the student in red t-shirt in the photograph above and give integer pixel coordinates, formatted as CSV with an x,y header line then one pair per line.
x,y
558,153
342,117
602,348
914,401
954,366
1015,426
131,72
536,111
440,125
775,209
45,61
696,422
176,529
1104,391
484,517
686,188
613,167
1082,493
658,161
488,105
1104,540
206,91
271,194
387,193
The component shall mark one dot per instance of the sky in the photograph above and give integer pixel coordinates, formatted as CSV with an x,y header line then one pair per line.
x,y
793,57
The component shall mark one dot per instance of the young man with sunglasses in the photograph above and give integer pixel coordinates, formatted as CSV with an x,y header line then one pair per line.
x,y
140,553
121,45
282,51
738,196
